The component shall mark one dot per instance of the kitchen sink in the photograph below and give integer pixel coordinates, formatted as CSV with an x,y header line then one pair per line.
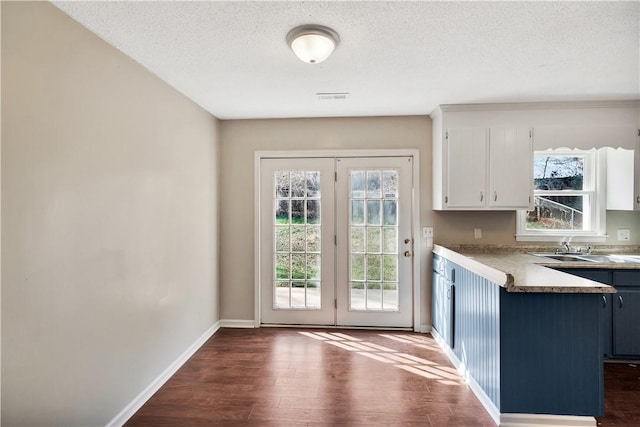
x,y
568,257
591,258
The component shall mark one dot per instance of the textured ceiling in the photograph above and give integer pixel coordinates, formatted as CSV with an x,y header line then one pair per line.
x,y
394,58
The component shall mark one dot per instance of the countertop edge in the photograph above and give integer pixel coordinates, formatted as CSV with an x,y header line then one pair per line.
x,y
516,281
499,277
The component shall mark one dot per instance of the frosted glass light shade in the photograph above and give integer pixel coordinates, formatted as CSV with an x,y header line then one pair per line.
x,y
312,43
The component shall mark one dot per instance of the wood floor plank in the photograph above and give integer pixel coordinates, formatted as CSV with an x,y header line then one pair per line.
x,y
304,377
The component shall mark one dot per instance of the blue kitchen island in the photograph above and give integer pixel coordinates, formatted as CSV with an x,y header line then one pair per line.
x,y
527,338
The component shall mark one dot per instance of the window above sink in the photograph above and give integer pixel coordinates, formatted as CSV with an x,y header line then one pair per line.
x,y
568,197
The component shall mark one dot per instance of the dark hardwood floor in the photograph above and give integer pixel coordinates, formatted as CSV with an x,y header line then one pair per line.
x,y
621,395
306,377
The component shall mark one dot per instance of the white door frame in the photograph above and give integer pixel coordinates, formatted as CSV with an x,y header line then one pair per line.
x,y
415,226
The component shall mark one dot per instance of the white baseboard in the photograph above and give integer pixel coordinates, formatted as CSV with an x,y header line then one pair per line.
x,y
425,328
489,406
234,323
155,385
511,420
543,420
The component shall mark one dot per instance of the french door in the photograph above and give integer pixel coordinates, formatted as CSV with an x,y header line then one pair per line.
x,y
335,241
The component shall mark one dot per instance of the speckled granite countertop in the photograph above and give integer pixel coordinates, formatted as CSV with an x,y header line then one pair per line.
x,y
517,271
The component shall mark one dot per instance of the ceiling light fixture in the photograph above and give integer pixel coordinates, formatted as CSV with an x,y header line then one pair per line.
x,y
312,43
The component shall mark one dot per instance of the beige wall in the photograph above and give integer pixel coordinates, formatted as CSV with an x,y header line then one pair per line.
x,y
242,138
109,220
498,228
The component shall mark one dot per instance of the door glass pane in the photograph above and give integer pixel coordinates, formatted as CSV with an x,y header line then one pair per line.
x,y
297,246
373,212
297,238
374,296
390,212
357,239
313,184
390,184
356,296
357,184
282,239
282,183
282,266
373,240
390,296
282,211
298,184
357,267
313,267
373,267
357,212
373,184
313,294
390,268
313,211
373,222
297,211
313,239
390,240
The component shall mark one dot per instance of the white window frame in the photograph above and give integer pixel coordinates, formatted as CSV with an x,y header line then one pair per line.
x,y
593,188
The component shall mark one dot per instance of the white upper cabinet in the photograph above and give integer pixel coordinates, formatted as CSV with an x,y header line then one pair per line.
x,y
483,153
485,169
466,168
510,168
621,185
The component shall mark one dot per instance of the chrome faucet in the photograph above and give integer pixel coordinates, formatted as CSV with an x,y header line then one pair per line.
x,y
566,246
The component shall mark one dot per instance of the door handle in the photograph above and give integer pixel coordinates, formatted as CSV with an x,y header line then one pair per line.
x,y
408,254
620,301
481,196
495,196
604,301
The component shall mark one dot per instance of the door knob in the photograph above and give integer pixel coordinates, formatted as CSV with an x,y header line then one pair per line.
x,y
408,254
407,241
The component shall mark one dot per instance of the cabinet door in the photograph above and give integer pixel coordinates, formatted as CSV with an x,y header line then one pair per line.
x,y
436,302
449,319
606,322
606,316
626,323
466,172
510,168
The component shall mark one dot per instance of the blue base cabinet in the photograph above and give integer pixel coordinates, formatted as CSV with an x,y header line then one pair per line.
x,y
626,314
443,299
531,353
551,359
620,330
606,321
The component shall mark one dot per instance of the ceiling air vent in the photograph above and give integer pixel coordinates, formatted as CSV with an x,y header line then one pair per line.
x,y
332,95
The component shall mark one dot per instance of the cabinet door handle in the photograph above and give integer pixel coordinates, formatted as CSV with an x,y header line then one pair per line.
x,y
604,301
481,196
620,301
495,196
638,200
